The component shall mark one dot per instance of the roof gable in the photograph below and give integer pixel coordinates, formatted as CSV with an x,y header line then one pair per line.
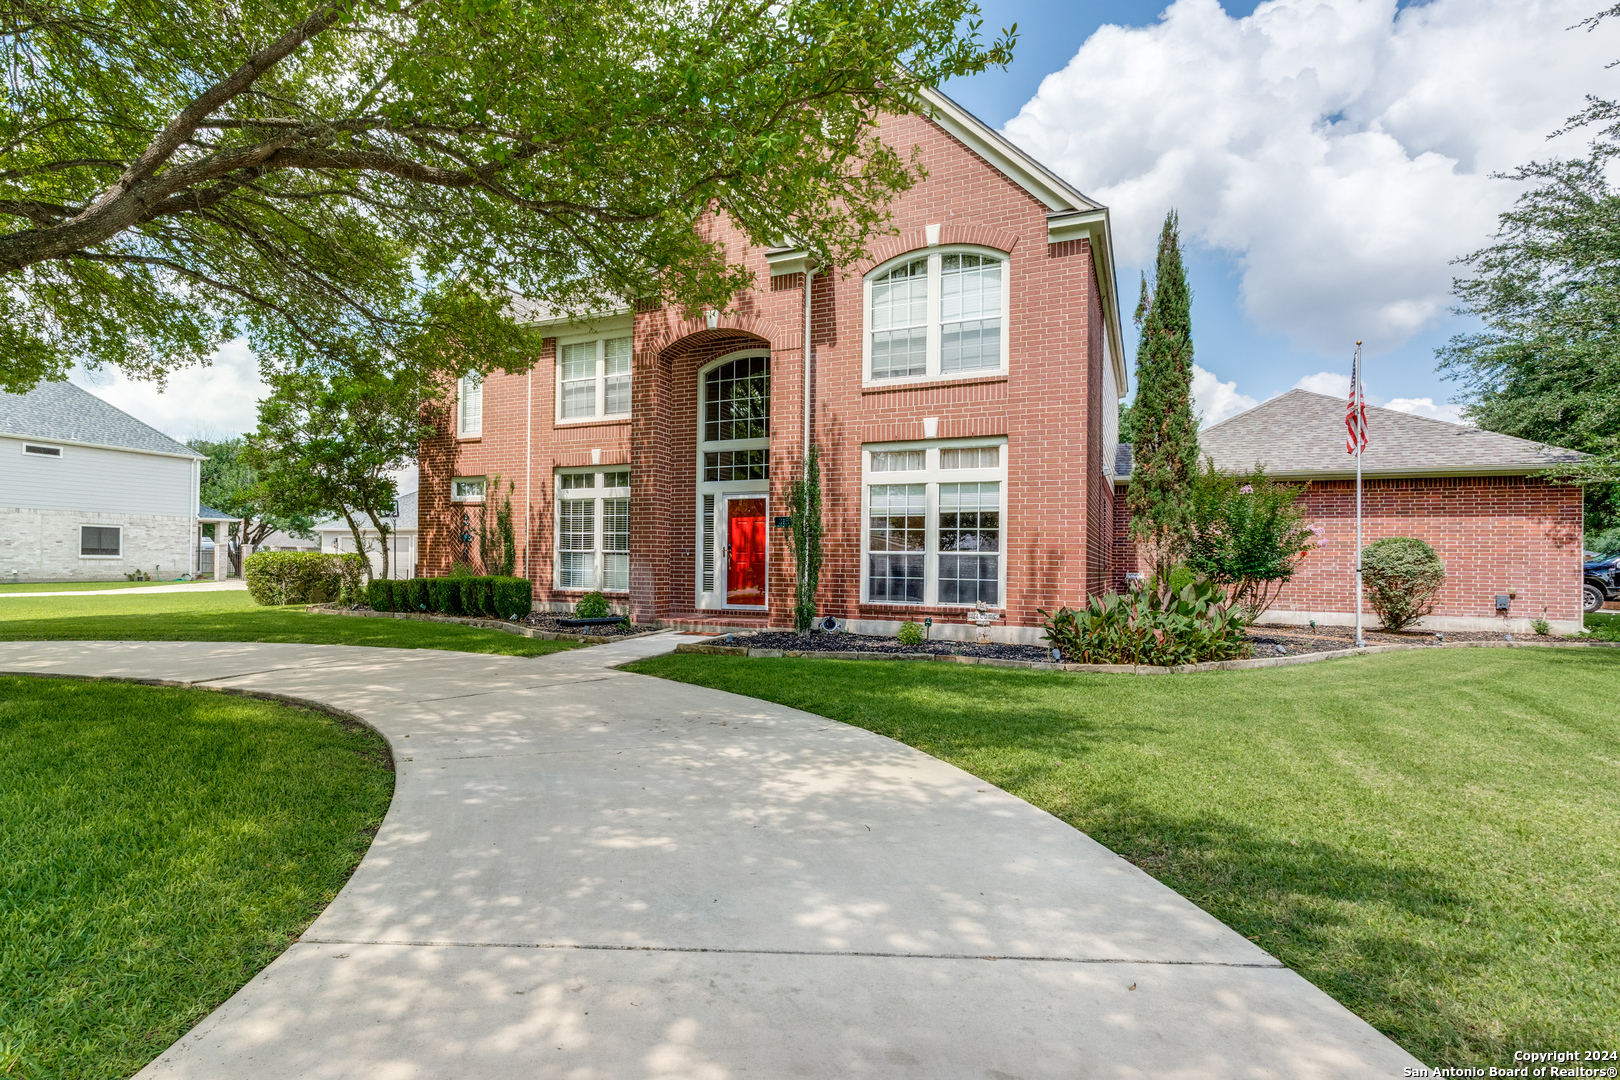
x,y
1045,185
1070,214
1303,434
63,412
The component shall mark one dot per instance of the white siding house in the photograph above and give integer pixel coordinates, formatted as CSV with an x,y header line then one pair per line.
x,y
335,537
89,493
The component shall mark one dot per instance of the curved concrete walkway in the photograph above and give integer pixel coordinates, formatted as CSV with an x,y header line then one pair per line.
x,y
590,874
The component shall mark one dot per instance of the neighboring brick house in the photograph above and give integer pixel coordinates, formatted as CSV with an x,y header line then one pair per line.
x,y
962,387
1472,495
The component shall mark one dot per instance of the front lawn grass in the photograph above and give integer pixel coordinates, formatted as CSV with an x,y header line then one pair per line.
x,y
7,588
1430,837
158,847
1604,625
233,616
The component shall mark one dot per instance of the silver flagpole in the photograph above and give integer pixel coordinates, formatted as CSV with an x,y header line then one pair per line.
x,y
1355,389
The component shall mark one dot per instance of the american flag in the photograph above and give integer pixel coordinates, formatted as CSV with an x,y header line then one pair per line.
x,y
1355,411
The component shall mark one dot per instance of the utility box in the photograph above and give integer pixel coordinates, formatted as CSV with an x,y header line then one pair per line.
x,y
1501,601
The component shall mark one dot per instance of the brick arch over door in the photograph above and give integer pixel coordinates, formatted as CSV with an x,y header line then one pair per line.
x,y
664,455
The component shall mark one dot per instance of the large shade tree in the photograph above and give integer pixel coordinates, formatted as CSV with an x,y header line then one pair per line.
x,y
230,484
1545,364
335,442
351,183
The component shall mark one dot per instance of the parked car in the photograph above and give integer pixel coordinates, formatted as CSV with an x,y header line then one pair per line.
x,y
1601,582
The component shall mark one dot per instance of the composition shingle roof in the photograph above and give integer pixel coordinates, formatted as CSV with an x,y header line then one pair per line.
x,y
64,412
1302,434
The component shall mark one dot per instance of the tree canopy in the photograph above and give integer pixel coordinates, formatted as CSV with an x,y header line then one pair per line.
x,y
1546,365
230,484
1164,453
353,183
334,442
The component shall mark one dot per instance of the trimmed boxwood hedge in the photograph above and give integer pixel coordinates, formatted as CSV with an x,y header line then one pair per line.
x,y
380,595
489,597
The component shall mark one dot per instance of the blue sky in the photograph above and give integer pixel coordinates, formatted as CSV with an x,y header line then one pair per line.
x,y
1266,356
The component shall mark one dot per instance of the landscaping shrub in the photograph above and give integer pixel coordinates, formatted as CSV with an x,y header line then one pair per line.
x,y
1152,626
1402,576
513,597
478,596
444,596
460,594
380,595
1248,534
910,634
1541,626
593,605
302,577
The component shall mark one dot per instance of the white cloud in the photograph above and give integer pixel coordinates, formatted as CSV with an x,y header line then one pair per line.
x,y
1213,400
1331,383
1423,406
217,400
1339,150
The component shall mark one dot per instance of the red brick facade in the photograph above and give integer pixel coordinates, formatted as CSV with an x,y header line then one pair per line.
x,y
1048,403
1498,535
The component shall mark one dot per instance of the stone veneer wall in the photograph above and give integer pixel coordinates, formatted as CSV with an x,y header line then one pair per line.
x,y
43,545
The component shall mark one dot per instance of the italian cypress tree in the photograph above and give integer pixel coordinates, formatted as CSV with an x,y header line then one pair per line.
x,y
1165,451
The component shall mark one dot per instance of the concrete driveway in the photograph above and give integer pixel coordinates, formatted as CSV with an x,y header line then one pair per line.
x,y
590,874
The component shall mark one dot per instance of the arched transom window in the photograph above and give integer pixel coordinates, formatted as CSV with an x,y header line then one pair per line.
x,y
936,316
737,400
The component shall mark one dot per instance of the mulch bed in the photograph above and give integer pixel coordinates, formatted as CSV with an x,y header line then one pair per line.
x,y
1271,640
1267,641
839,641
545,620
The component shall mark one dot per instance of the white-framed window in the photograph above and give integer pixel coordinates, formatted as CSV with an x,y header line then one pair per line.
x,y
35,450
937,315
593,529
467,489
593,378
470,406
935,519
101,542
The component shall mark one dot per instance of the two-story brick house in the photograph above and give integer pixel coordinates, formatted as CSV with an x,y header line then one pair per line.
x,y
962,386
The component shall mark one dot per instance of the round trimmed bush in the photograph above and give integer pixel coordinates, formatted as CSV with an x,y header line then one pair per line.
x,y
911,634
1402,576
593,605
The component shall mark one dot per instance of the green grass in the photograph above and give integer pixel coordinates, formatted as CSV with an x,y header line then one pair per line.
x,y
83,586
158,847
1604,625
1430,837
233,616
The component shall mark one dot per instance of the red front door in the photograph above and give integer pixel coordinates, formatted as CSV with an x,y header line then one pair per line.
x,y
745,555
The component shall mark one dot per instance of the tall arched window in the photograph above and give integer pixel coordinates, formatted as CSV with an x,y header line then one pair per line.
x,y
936,316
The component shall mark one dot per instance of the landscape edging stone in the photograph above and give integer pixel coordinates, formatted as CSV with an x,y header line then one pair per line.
x,y
487,624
